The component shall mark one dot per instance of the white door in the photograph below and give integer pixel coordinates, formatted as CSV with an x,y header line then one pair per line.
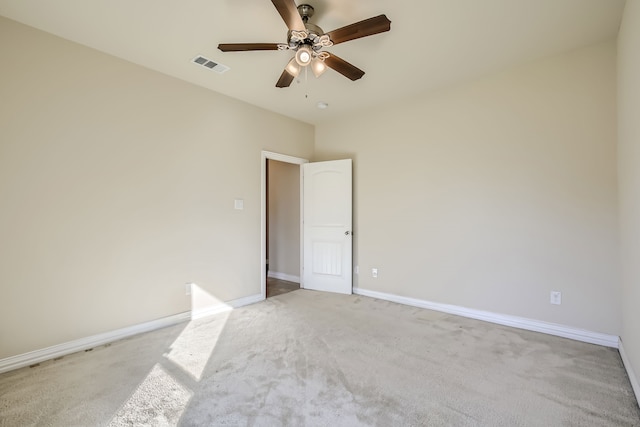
x,y
327,242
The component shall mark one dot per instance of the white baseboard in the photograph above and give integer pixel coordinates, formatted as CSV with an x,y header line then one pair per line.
x,y
501,319
630,372
241,302
37,356
284,276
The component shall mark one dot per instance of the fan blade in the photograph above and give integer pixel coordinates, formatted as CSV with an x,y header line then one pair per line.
x,y
285,79
242,47
368,27
343,67
289,12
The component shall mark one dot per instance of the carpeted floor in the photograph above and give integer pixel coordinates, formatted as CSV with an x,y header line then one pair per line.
x,y
319,359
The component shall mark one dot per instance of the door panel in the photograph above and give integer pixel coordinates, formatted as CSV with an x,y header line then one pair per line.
x,y
327,226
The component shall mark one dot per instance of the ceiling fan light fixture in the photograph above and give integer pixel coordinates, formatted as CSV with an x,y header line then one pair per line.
x,y
303,56
293,68
318,67
308,40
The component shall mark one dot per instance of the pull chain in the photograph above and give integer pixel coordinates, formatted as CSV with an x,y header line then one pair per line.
x,y
306,81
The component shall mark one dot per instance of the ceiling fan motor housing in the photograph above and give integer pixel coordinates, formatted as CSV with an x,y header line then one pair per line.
x,y
312,38
314,32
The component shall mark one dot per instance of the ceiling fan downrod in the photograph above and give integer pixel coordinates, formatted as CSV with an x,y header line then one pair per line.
x,y
306,11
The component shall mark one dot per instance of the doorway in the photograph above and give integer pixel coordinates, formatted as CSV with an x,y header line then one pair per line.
x,y
283,227
281,245
325,222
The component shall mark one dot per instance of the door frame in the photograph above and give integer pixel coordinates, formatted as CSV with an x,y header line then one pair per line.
x,y
269,155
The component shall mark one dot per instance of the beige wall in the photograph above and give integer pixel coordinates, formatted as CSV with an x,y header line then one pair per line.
x,y
117,186
493,193
629,177
284,218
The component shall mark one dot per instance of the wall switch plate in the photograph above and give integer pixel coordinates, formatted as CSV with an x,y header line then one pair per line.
x,y
356,270
556,297
187,288
374,273
238,204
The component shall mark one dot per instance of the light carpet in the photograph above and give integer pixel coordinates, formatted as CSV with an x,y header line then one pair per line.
x,y
317,359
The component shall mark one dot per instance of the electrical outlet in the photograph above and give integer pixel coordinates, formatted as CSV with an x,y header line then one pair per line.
x,y
556,297
356,270
374,273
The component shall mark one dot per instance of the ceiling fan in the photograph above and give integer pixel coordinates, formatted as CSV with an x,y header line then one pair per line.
x,y
308,41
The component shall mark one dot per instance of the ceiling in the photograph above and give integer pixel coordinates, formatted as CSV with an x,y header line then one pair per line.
x,y
432,43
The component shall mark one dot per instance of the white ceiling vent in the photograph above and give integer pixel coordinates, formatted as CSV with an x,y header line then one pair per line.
x,y
207,63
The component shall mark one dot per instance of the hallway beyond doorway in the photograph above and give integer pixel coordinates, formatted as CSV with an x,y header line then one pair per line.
x,y
279,287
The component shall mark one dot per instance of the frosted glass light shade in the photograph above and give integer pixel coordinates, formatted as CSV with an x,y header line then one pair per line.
x,y
293,68
318,67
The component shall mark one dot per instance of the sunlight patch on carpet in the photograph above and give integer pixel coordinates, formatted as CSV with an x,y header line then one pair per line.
x,y
158,400
193,348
